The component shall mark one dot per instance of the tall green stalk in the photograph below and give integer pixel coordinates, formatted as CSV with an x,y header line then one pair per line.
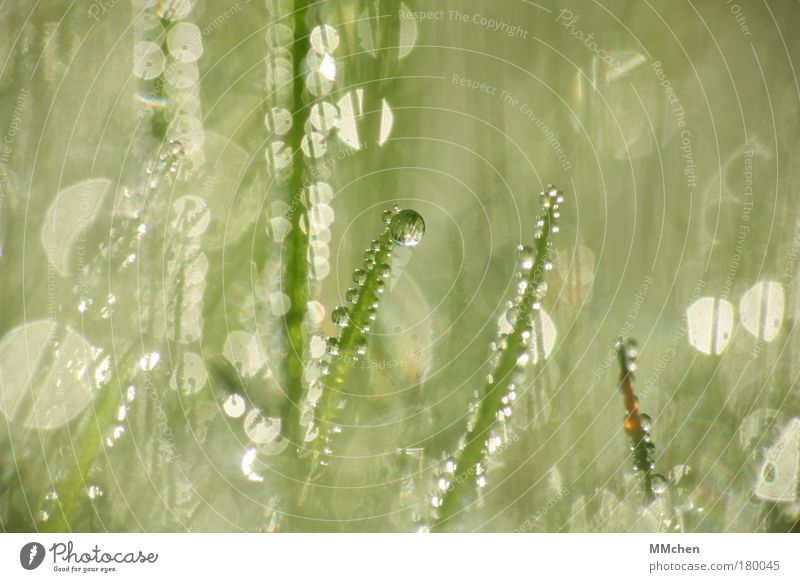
x,y
297,244
470,466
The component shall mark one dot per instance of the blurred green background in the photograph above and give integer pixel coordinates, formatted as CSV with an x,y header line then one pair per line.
x,y
143,314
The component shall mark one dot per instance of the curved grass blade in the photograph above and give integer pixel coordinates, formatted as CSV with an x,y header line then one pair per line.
x,y
468,471
402,227
637,424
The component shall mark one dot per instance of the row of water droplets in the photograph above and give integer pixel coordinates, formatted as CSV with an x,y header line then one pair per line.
x,y
405,228
168,84
117,256
114,261
517,348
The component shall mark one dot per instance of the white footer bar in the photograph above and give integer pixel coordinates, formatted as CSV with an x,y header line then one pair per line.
x,y
387,557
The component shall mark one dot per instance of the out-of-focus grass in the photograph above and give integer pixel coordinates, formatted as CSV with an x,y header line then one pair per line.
x,y
639,246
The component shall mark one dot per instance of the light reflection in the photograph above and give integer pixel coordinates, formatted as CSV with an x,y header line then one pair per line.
x,y
151,101
244,351
545,338
780,471
49,374
261,429
408,33
387,120
544,335
324,39
190,374
576,271
73,208
148,60
248,460
234,406
348,130
761,310
626,64
328,67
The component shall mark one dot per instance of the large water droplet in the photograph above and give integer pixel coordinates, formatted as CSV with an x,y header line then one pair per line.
x,y
407,228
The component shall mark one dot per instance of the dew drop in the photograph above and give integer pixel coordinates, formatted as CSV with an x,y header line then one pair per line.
x,y
332,346
526,257
361,346
387,216
407,228
94,491
658,484
646,422
352,295
359,276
